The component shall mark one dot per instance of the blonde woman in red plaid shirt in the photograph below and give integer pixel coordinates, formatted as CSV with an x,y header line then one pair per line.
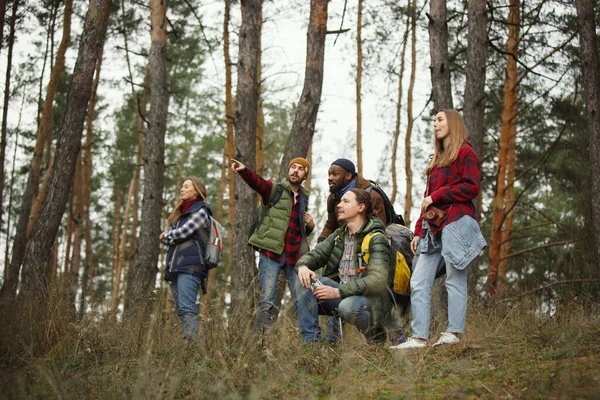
x,y
453,181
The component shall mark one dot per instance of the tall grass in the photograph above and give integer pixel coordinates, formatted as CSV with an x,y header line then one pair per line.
x,y
508,351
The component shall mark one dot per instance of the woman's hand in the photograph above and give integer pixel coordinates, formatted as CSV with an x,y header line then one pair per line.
x,y
162,235
236,166
414,243
427,201
308,219
304,275
325,292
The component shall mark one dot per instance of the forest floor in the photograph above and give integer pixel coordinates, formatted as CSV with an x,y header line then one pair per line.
x,y
506,353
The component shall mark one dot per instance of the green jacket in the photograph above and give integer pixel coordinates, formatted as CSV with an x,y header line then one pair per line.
x,y
270,235
373,282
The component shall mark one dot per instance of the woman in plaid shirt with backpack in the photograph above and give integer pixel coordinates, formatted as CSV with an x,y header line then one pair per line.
x,y
186,270
453,182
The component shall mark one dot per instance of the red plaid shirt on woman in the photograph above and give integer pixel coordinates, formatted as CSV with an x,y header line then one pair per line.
x,y
293,235
453,188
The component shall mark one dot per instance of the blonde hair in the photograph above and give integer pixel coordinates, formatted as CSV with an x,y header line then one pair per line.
x,y
457,133
200,191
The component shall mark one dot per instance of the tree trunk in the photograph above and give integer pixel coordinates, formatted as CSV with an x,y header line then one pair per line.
x,y
242,271
396,135
438,50
116,229
86,189
141,282
37,255
229,145
10,196
118,272
509,116
474,100
11,41
303,127
509,217
409,114
9,289
590,68
359,63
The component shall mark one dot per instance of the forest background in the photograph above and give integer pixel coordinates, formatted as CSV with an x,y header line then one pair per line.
x,y
106,112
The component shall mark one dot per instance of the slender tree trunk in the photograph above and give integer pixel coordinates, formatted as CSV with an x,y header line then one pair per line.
x,y
303,128
474,100
37,255
77,214
438,50
2,15
245,140
509,116
359,63
116,230
11,41
508,220
590,68
115,297
10,196
409,114
141,282
87,189
9,289
396,135
229,146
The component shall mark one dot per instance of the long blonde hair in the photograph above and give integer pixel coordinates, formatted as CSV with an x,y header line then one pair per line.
x,y
457,132
200,192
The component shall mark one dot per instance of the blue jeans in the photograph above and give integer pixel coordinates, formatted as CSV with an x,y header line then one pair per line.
x,y
268,272
184,288
355,310
421,283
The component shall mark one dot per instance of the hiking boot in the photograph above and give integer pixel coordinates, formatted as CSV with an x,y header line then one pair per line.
x,y
447,338
411,343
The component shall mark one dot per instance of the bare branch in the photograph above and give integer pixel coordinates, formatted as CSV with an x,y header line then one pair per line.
x,y
546,286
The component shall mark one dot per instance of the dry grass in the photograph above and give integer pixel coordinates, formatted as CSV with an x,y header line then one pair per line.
x,y
508,352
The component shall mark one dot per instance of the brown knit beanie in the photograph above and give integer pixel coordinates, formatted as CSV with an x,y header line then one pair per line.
x,y
301,161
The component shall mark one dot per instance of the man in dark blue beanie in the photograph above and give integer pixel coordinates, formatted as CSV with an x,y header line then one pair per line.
x,y
343,177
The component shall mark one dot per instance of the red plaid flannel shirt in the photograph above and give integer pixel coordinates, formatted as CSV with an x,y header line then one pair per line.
x,y
453,188
293,235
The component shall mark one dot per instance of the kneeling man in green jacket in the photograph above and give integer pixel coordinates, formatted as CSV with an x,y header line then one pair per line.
x,y
349,288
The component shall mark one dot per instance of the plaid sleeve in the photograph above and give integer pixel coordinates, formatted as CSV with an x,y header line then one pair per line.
x,y
257,183
467,188
198,220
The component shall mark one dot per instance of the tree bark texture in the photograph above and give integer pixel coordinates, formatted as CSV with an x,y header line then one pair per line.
x,y
141,282
590,68
359,63
474,100
229,146
409,114
438,50
86,183
9,289
242,271
303,127
37,256
11,41
509,116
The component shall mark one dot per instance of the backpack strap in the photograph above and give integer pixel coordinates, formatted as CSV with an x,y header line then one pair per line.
x,y
364,255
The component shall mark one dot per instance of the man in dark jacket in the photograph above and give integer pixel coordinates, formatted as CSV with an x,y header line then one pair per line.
x,y
281,235
342,178
349,288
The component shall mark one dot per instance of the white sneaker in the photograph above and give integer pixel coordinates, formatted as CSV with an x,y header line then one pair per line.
x,y
411,343
447,338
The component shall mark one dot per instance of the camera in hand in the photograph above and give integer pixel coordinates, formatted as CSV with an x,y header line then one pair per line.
x,y
315,283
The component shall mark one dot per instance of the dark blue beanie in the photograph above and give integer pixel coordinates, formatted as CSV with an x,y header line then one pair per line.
x,y
346,164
